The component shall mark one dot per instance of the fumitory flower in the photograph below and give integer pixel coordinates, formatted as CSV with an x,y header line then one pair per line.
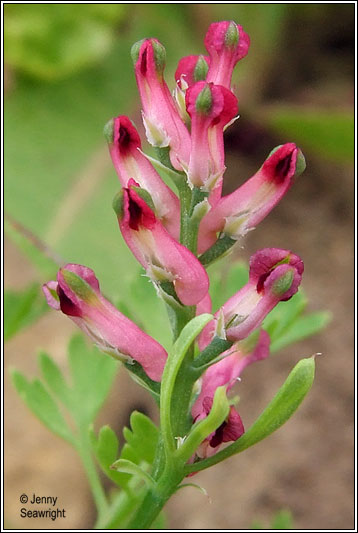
x,y
163,124
164,259
239,212
129,162
77,294
226,372
211,107
274,276
226,43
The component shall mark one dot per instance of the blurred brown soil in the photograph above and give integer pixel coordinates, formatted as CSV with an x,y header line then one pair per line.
x,y
307,466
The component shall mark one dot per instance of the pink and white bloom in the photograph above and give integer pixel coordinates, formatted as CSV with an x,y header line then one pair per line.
x,y
239,212
162,121
226,43
129,162
77,294
162,256
225,373
274,276
210,107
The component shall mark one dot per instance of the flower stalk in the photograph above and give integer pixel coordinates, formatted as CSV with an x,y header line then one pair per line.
x,y
174,237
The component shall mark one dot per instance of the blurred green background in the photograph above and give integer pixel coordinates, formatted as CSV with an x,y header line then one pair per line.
x,y
68,70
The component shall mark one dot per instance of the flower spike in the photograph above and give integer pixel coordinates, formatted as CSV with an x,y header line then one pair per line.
x,y
162,121
164,259
77,294
125,149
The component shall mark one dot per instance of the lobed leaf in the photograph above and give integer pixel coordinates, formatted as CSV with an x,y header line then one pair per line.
x,y
42,405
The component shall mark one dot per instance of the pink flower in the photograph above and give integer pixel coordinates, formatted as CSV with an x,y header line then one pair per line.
x,y
190,70
242,210
210,107
225,373
129,162
275,275
162,121
77,294
164,259
226,43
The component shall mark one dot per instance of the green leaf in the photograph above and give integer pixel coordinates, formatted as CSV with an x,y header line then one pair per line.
x,y
329,134
22,308
105,448
142,440
175,358
303,327
281,318
279,410
127,467
92,374
282,407
42,405
54,379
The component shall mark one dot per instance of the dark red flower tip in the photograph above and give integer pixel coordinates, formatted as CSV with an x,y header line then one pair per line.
x,y
281,164
68,306
139,213
126,137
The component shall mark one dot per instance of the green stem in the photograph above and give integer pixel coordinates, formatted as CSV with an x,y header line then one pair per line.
x,y
221,247
215,348
83,448
155,499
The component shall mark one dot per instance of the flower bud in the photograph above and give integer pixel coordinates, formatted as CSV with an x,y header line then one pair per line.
x,y
239,212
164,259
226,43
210,107
124,146
77,294
162,121
274,276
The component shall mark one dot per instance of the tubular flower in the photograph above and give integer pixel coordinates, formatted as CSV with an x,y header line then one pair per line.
x,y
239,212
226,43
210,107
275,276
77,294
162,121
226,372
129,162
164,259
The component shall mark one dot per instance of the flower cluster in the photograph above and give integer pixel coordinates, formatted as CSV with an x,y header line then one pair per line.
x,y
175,238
